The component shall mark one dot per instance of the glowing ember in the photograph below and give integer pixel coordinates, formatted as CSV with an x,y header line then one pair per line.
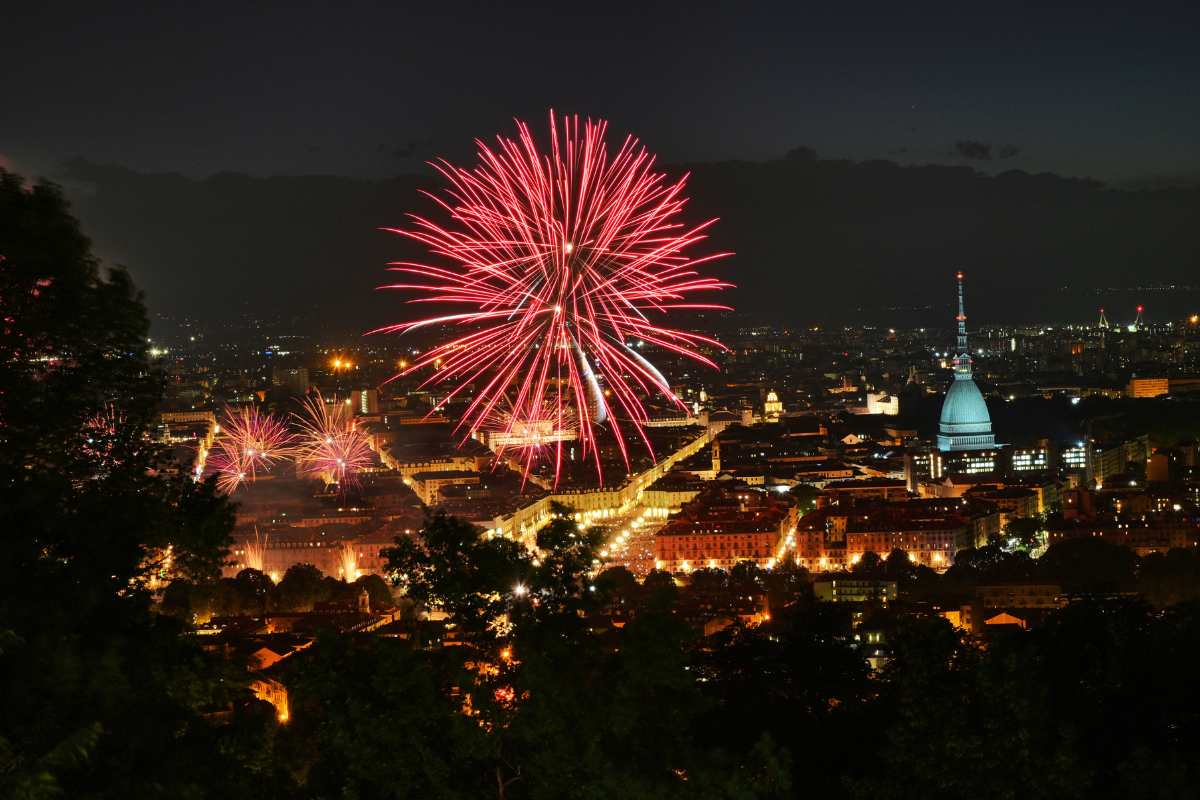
x,y
564,262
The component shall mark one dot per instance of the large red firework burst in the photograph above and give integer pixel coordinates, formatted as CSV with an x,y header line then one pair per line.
x,y
562,259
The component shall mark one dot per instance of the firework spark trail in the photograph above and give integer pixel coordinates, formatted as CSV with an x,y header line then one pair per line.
x,y
563,258
256,551
231,468
250,442
101,432
348,562
331,445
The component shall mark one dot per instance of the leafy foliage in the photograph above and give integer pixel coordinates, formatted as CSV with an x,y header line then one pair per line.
x,y
101,696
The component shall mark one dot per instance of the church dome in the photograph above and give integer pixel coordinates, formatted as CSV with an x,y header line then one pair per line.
x,y
965,423
964,409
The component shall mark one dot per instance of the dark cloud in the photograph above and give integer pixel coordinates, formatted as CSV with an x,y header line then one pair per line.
x,y
801,153
411,148
974,150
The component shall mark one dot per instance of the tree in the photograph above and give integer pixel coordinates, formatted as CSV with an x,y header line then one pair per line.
x,y
1165,579
369,718
301,587
452,566
659,590
805,495
898,567
1067,709
1025,532
747,577
1089,564
789,683
256,589
377,590
559,579
869,564
787,583
708,580
101,696
990,564
617,585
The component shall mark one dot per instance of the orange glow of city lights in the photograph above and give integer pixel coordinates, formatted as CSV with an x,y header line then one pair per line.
x,y
1194,319
338,364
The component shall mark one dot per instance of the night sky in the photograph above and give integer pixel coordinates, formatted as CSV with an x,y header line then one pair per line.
x,y
369,90
236,103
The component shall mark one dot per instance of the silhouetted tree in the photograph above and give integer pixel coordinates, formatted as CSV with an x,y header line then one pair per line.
x,y
1089,564
747,576
452,566
102,697
869,564
301,587
708,580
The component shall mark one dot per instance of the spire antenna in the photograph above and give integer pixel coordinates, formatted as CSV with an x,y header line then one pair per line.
x,y
962,361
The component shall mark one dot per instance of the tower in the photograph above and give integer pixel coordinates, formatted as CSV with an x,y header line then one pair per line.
x,y
772,408
965,423
1137,323
1103,324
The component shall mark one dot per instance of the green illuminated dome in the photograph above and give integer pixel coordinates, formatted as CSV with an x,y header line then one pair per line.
x,y
965,423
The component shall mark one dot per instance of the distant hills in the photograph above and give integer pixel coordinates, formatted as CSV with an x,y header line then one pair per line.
x,y
816,240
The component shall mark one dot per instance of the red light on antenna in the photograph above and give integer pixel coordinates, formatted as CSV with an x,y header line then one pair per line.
x,y
959,275
1140,309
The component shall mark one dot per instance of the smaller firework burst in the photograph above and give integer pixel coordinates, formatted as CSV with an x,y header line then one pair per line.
x,y
250,442
101,433
254,555
331,446
348,562
226,462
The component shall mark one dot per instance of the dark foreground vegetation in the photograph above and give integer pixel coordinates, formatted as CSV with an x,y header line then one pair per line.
x,y
105,694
